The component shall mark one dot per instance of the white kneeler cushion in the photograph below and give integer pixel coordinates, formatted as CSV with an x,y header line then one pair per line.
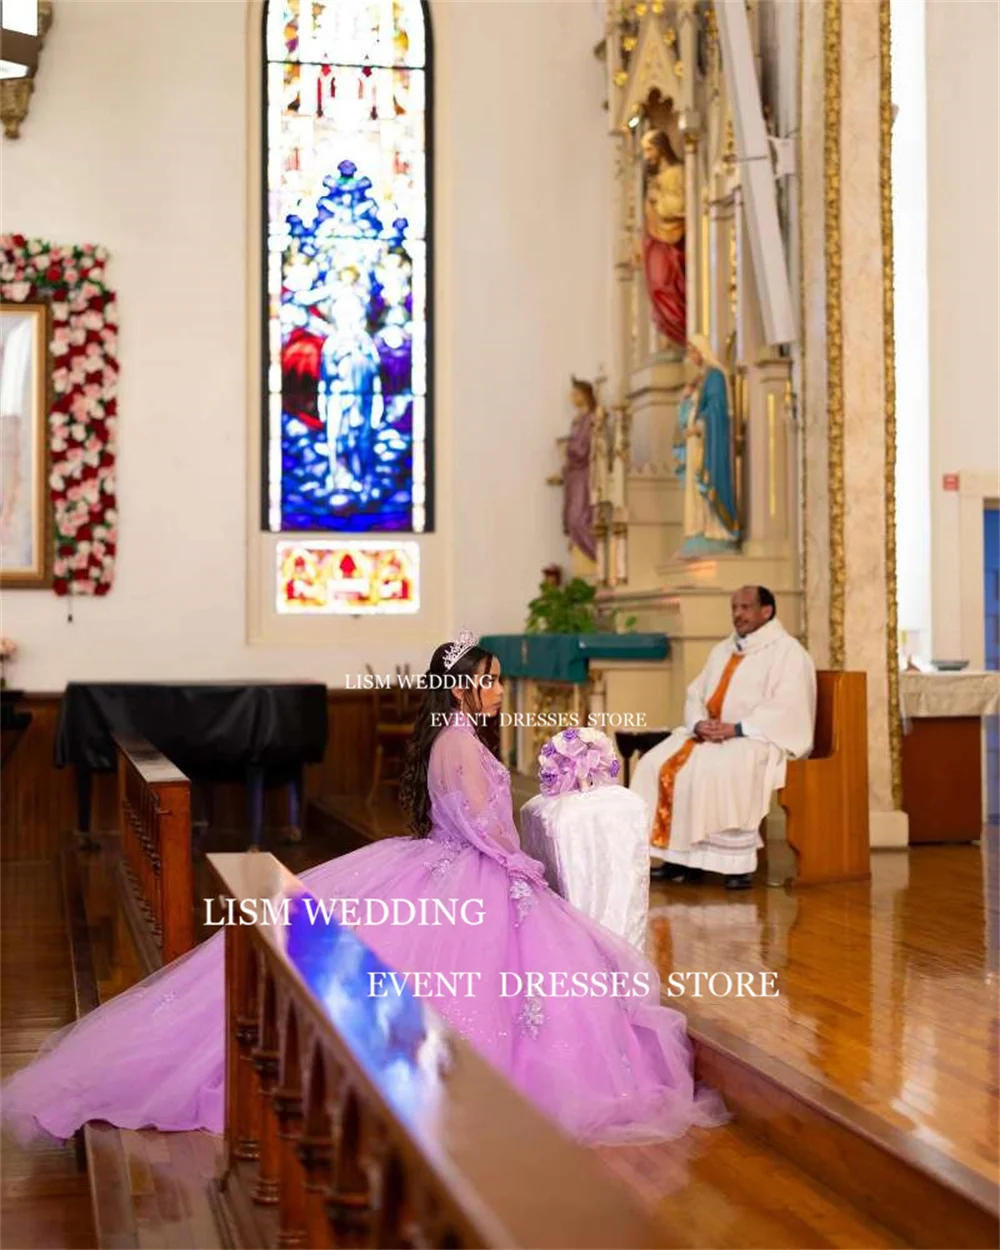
x,y
595,848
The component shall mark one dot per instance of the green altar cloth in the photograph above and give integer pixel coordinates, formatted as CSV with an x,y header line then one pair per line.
x,y
566,657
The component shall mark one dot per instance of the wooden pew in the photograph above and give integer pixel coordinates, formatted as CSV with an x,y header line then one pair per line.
x,y
826,796
395,715
154,800
355,1121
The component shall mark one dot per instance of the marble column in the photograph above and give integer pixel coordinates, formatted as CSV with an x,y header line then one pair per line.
x,y
849,393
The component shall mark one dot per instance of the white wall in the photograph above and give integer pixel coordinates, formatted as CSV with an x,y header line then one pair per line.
x,y
909,237
531,245
137,139
963,107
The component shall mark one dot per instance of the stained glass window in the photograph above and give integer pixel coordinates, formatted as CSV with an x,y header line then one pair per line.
x,y
347,266
348,577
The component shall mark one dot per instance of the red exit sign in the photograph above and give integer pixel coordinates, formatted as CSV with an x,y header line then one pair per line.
x,y
950,481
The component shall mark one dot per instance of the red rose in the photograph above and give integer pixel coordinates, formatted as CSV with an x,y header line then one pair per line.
x,y
84,532
102,588
20,240
53,273
111,408
61,586
65,549
110,548
107,459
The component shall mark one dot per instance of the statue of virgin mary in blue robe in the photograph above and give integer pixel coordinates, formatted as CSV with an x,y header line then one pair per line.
x,y
704,458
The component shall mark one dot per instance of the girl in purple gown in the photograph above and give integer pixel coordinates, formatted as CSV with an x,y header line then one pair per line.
x,y
591,1045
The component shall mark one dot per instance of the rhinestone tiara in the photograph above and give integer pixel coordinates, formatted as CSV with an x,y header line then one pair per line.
x,y
464,642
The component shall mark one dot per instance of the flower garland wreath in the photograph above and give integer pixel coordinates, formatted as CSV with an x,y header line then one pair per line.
x,y
83,421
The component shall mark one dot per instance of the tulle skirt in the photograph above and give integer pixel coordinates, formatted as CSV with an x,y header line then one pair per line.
x,y
590,1045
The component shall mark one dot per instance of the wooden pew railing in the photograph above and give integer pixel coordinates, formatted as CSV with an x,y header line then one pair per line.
x,y
826,796
154,799
360,1121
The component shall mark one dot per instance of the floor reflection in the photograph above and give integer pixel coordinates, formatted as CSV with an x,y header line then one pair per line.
x,y
886,989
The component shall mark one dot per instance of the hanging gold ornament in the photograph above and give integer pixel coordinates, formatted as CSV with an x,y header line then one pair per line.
x,y
670,37
628,43
621,78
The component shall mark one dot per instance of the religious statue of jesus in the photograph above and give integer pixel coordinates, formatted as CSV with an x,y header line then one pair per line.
x,y
663,235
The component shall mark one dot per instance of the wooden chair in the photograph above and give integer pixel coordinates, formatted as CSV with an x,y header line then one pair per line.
x,y
826,796
395,716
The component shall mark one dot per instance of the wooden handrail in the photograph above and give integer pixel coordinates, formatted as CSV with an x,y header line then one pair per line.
x,y
361,1121
154,801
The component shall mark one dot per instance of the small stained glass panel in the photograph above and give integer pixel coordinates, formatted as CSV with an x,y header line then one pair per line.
x,y
348,578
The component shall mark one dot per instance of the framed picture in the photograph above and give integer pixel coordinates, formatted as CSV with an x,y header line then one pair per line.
x,y
25,507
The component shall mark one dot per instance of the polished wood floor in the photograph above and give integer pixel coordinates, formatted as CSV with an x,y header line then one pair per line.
x,y
722,1188
887,990
44,1195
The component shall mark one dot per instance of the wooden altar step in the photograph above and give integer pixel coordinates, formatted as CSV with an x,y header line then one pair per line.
x,y
345,822
918,1194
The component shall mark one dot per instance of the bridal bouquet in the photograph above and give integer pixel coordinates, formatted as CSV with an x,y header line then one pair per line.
x,y
577,759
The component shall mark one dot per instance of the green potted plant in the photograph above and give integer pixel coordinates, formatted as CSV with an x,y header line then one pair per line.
x,y
570,609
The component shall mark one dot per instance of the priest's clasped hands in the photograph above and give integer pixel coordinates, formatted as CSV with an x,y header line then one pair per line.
x,y
715,731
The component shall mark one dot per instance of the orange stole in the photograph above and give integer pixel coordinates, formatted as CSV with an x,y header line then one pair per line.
x,y
669,771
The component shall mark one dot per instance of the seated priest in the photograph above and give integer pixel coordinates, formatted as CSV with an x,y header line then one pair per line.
x,y
750,710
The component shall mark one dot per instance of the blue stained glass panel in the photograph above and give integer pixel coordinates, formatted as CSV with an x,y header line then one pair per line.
x,y
346,267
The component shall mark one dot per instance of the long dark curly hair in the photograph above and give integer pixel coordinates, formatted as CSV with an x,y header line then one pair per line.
x,y
438,701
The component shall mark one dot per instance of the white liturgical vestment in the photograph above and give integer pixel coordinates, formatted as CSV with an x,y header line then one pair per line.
x,y
722,792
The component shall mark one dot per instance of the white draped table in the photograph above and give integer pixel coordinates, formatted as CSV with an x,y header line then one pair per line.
x,y
595,849
943,717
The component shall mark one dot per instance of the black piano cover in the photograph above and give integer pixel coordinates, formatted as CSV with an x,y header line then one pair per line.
x,y
203,728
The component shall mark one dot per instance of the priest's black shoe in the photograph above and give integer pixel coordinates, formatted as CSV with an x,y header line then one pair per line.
x,y
740,881
676,873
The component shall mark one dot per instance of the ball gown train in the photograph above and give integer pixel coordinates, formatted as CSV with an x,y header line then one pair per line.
x,y
608,1069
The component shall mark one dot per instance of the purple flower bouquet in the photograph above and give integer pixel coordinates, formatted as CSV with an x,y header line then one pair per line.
x,y
577,759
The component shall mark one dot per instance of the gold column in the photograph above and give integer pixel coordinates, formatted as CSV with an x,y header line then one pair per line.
x,y
803,465
889,352
693,232
851,411
834,326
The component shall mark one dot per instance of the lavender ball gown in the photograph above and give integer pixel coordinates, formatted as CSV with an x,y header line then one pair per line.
x,y
608,1069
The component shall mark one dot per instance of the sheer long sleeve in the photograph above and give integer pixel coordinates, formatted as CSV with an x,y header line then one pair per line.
x,y
470,800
